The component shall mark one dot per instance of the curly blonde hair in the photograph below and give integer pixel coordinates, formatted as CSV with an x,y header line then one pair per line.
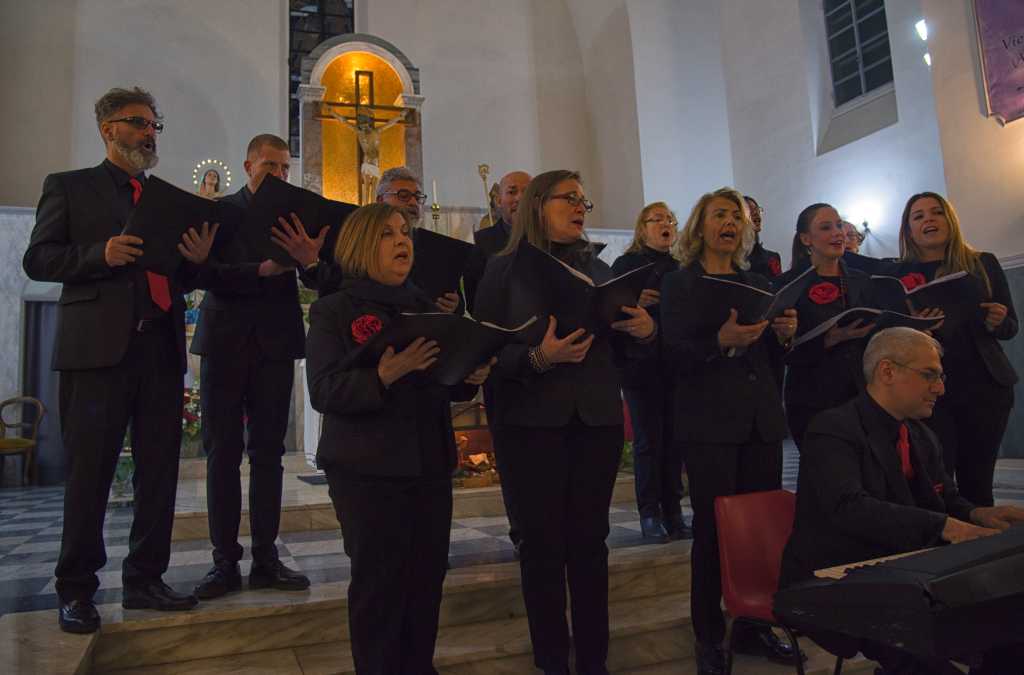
x,y
690,244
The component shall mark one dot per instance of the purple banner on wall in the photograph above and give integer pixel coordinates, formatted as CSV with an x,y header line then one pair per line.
x,y
1001,38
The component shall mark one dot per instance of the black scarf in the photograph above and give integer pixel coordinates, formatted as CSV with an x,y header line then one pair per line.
x,y
405,298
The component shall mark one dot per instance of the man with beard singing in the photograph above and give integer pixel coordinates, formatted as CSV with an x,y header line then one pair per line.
x,y
120,350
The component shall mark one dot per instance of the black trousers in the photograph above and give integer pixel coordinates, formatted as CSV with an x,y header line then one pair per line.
x,y
561,481
718,469
97,406
244,392
657,460
798,418
506,494
396,532
970,421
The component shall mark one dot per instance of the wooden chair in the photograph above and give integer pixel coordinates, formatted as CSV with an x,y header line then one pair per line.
x,y
25,444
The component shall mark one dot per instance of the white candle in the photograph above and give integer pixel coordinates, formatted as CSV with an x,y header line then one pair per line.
x,y
436,200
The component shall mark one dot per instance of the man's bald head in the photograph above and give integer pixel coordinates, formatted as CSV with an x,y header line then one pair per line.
x,y
510,189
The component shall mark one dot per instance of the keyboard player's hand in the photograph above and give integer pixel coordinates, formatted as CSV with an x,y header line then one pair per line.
x,y
997,517
956,531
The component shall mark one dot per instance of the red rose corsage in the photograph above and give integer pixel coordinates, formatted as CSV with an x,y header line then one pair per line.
x,y
774,266
823,293
913,280
365,327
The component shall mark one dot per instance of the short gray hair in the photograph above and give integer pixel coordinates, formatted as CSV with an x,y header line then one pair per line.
x,y
118,98
897,345
395,174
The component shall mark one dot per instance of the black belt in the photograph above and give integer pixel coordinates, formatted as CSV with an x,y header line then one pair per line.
x,y
152,325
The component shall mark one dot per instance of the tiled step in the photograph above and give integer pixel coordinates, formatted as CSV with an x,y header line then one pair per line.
x,y
317,513
643,631
262,621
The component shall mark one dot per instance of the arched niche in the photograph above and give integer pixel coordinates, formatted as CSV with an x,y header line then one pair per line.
x,y
329,149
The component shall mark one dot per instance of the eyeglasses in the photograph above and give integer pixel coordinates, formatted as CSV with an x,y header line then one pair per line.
x,y
759,210
406,195
930,376
141,123
661,219
575,200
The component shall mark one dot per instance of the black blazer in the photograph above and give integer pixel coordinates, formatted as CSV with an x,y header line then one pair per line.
x,y
824,378
986,344
487,243
718,399
239,303
520,396
764,262
648,371
368,429
853,502
96,311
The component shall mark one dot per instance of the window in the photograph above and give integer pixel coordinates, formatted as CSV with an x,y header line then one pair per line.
x,y
310,22
858,47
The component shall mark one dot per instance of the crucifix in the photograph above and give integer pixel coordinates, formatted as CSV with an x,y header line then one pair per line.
x,y
365,125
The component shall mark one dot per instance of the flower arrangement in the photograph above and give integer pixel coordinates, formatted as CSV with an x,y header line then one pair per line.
x,y
191,414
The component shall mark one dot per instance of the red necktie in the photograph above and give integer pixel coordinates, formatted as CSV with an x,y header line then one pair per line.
x,y
159,290
903,446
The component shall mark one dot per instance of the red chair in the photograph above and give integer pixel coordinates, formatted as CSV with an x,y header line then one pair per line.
x,y
752,532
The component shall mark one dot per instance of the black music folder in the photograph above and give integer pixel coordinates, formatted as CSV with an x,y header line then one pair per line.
x,y
277,198
164,213
881,318
753,304
464,344
575,300
958,295
438,262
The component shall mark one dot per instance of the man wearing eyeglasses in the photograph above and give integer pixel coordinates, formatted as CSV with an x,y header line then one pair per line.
x,y
120,350
399,187
872,483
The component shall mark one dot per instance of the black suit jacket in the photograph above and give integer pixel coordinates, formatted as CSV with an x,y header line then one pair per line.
x,y
718,399
520,396
853,502
487,243
239,303
96,313
369,429
765,262
824,378
986,344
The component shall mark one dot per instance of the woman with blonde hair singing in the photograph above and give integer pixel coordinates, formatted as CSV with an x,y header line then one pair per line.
x,y
971,418
727,409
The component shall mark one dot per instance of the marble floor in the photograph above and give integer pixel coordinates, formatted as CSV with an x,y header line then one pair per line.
x,y
31,523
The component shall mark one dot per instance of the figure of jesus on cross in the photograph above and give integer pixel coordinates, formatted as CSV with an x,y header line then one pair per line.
x,y
369,135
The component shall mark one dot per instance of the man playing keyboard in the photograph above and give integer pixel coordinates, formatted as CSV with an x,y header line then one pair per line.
x,y
872,484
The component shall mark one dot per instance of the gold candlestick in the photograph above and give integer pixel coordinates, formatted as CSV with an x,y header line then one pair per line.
x,y
435,213
484,170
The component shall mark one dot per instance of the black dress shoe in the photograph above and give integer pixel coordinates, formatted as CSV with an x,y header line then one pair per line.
x,y
156,595
651,528
78,616
276,575
219,581
763,642
677,528
710,659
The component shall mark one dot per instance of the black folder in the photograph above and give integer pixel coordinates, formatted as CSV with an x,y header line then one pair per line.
x,y
881,318
464,344
438,262
572,297
958,295
753,304
277,198
164,213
